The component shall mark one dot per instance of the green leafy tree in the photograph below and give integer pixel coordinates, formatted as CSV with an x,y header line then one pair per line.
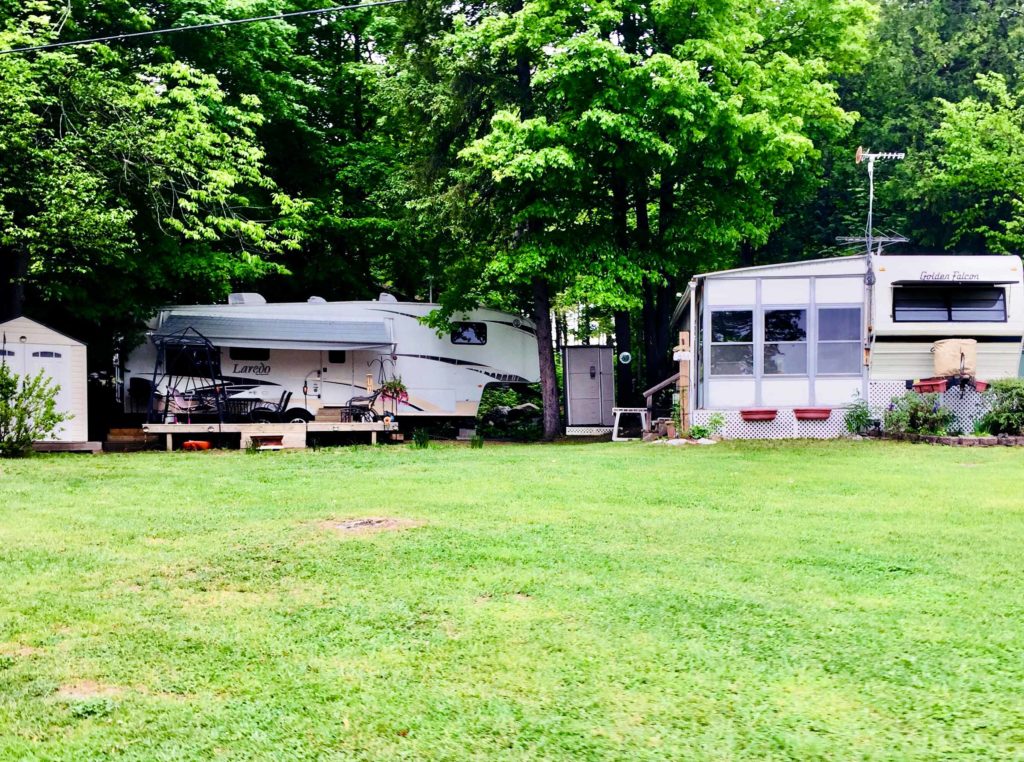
x,y
922,52
124,184
602,147
974,170
28,411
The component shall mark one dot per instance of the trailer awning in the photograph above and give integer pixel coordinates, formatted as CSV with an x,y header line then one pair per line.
x,y
276,333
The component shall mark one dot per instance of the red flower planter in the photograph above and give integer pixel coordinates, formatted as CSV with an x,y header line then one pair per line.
x,y
758,414
931,385
980,386
812,413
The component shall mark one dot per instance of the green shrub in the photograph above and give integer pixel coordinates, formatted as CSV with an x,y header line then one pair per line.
x,y
914,413
858,416
28,411
421,438
1005,400
477,442
500,415
715,424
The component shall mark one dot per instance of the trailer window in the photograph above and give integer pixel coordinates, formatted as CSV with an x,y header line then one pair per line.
x,y
785,342
251,354
336,356
6,353
469,333
732,343
951,304
839,350
46,354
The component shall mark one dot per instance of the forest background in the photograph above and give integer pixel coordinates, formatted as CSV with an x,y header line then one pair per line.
x,y
573,161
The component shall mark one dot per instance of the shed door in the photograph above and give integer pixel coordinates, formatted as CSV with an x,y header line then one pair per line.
x,y
56,363
589,385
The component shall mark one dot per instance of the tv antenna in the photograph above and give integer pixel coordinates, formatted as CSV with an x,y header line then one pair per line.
x,y
871,158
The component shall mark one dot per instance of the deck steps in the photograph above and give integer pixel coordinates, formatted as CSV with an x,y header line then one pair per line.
x,y
130,440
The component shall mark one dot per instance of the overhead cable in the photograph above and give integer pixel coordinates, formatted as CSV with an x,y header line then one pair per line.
x,y
208,25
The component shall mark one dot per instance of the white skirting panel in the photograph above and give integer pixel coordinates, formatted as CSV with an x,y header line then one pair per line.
x,y
967,406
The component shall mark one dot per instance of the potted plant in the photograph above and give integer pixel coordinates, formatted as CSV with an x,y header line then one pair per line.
x,y
394,389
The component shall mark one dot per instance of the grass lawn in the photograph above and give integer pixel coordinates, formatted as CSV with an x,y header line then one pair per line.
x,y
853,600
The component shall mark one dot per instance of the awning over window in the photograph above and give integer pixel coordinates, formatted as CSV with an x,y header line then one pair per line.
x,y
277,333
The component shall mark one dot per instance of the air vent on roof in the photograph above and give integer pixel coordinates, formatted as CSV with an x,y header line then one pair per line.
x,y
386,297
246,298
316,300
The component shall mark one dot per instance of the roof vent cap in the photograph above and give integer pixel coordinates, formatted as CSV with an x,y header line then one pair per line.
x,y
386,297
246,298
316,300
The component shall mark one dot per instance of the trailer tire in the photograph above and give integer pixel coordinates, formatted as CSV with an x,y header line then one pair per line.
x,y
296,415
264,415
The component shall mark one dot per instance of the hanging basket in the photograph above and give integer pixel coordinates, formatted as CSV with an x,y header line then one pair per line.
x,y
758,414
812,413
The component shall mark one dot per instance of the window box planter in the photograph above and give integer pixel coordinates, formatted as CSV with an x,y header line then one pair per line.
x,y
812,413
931,385
980,386
758,414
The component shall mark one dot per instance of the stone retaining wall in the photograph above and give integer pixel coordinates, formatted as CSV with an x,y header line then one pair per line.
x,y
1000,441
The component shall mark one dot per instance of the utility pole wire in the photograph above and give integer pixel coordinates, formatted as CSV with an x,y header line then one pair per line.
x,y
210,25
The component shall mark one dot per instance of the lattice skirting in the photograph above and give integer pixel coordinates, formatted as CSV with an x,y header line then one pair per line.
x,y
967,408
785,426
587,431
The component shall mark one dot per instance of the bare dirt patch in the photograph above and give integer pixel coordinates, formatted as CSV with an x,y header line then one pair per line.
x,y
369,525
87,689
17,649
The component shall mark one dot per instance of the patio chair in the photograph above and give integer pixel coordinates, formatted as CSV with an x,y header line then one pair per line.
x,y
180,404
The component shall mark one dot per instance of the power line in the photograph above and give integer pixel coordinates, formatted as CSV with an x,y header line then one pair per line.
x,y
210,25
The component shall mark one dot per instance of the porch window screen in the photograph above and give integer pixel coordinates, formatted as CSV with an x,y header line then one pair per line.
x,y
949,304
732,343
839,350
785,342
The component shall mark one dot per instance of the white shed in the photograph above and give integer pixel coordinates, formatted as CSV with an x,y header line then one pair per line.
x,y
28,347
780,350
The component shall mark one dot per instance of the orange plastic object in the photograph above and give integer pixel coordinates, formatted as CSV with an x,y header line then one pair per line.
x,y
195,444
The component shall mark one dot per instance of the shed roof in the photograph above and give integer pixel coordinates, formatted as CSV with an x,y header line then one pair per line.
x,y
275,333
20,326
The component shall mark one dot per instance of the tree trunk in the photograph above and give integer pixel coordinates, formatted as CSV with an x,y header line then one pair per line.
x,y
13,271
650,338
623,373
540,285
623,334
746,254
546,356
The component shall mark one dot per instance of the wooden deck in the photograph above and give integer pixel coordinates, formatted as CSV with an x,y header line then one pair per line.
x,y
91,447
294,434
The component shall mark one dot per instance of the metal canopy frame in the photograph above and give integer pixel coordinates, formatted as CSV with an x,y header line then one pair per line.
x,y
215,393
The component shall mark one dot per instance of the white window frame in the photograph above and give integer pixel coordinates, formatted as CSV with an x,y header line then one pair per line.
x,y
807,342
859,340
752,343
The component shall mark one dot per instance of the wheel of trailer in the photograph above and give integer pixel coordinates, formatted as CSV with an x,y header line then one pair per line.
x,y
264,415
297,415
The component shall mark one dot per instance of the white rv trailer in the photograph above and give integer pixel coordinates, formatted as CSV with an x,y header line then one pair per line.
x,y
779,350
327,353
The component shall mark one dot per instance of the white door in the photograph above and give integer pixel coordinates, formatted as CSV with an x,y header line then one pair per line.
x,y
55,362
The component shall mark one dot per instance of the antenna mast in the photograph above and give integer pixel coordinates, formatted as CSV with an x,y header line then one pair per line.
x,y
863,155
